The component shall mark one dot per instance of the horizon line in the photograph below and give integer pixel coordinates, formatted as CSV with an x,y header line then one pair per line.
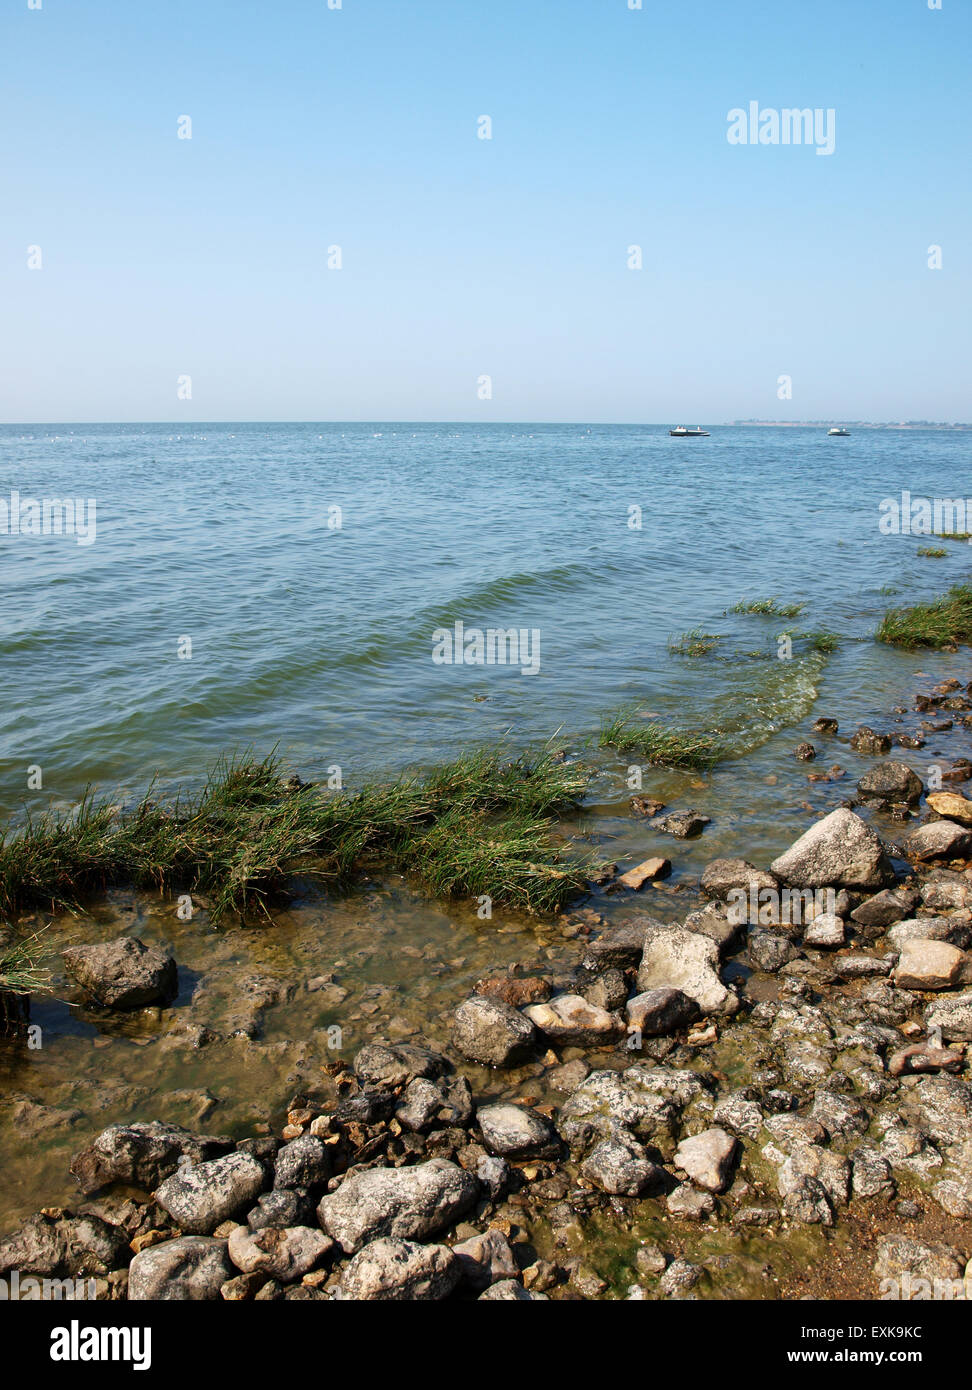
x,y
623,424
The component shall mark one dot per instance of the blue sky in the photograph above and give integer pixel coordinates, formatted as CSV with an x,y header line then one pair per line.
x,y
463,257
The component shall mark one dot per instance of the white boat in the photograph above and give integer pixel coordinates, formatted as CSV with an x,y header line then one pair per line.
x,y
680,432
839,430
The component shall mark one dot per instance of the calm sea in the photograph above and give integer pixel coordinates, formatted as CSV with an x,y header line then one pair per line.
x,y
312,628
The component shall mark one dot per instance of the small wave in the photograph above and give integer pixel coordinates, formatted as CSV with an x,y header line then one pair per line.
x,y
749,715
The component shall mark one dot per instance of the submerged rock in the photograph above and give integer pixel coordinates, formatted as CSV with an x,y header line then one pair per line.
x,y
721,876
388,1067
122,974
645,872
867,741
61,1245
516,990
890,782
684,825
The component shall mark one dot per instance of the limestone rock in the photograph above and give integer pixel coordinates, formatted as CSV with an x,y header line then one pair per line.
x,y
569,1018
409,1203
392,1269
841,851
674,958
142,1155
200,1198
707,1158
180,1271
928,965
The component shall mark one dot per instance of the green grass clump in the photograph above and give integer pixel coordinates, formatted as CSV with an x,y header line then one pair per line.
x,y
694,643
933,552
658,744
820,640
768,607
22,968
480,824
945,622
954,535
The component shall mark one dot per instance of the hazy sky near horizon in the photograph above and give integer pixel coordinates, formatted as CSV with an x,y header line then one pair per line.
x,y
463,258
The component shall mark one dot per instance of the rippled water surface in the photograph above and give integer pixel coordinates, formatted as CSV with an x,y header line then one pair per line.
x,y
320,639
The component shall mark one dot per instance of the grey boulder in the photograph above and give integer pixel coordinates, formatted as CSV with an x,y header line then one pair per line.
x,y
286,1254
200,1198
142,1155
841,851
678,959
409,1203
391,1269
180,1271
489,1031
514,1131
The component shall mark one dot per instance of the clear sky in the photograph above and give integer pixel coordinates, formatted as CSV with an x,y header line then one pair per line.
x,y
357,127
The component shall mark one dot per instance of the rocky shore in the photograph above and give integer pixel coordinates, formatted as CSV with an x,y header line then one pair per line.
x,y
788,1061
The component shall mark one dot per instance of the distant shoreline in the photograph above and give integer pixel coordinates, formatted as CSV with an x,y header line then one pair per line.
x,y
856,424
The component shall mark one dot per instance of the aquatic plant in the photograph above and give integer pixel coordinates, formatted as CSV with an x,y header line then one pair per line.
x,y
694,643
768,607
22,968
659,744
945,622
479,825
820,640
933,552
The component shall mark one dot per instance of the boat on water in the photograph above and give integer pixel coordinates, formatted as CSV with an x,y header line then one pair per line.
x,y
680,432
839,430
